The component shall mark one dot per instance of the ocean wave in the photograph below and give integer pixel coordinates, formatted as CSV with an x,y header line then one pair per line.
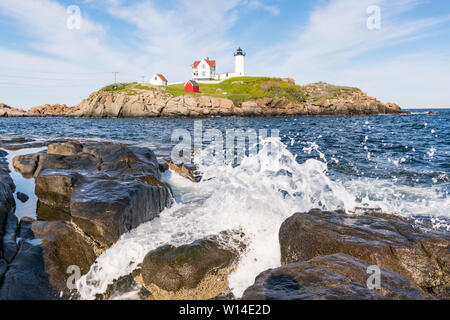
x,y
255,198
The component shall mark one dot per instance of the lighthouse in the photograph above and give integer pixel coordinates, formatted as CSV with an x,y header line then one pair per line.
x,y
239,60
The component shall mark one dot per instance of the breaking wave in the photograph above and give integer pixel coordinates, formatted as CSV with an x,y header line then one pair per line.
x,y
255,198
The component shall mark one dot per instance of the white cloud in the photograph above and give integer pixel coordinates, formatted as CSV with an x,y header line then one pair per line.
x,y
333,45
336,36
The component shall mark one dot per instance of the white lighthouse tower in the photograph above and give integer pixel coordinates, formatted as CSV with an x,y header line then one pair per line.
x,y
239,57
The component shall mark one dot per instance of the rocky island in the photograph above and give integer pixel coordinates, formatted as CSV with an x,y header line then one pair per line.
x,y
246,96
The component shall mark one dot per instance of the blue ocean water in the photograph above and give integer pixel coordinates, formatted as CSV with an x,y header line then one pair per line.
x,y
399,164
403,160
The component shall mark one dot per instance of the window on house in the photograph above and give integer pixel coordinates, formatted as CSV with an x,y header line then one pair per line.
x,y
204,73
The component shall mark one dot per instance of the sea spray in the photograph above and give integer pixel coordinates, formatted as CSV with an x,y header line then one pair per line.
x,y
255,198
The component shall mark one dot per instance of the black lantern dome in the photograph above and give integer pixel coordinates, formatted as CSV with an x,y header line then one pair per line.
x,y
240,52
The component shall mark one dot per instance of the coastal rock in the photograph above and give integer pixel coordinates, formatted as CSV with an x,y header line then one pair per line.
x,y
107,189
105,209
7,203
197,271
16,142
26,164
5,178
317,99
89,194
47,110
66,149
331,277
55,187
391,242
8,237
7,111
40,269
22,197
184,170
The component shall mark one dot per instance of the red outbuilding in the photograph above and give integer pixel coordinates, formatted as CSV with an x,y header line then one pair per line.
x,y
191,86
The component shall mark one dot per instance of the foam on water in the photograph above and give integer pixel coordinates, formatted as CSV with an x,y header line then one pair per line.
x,y
255,198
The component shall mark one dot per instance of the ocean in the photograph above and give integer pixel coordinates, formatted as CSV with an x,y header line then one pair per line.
x,y
397,164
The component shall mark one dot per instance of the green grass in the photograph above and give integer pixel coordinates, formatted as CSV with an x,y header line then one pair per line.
x,y
128,88
245,88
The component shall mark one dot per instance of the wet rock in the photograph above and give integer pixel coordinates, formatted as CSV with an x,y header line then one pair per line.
x,y
108,189
196,271
40,269
14,142
3,268
47,213
89,195
105,209
55,187
26,164
184,170
331,277
7,203
390,242
6,179
121,288
78,162
9,243
22,197
66,149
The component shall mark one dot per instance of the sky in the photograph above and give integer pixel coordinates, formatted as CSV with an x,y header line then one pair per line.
x,y
60,51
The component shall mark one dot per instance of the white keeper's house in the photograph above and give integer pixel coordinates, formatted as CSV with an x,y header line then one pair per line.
x,y
205,69
158,80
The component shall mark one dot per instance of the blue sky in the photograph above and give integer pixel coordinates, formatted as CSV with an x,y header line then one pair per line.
x,y
406,60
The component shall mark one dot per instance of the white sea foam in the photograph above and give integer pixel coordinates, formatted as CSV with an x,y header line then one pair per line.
x,y
254,197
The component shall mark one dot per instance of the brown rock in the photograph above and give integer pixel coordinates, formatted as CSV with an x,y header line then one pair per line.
x,y
390,242
40,268
26,164
195,271
66,149
331,277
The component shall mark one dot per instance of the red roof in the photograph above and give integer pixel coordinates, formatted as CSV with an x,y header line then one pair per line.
x,y
192,82
211,63
162,77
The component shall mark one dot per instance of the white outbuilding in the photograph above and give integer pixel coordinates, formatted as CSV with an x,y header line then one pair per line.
x,y
158,80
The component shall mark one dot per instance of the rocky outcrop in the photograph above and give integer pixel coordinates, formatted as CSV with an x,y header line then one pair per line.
x,y
156,104
89,193
16,142
184,170
7,111
48,110
26,164
7,205
331,277
391,242
197,271
320,99
42,266
107,189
